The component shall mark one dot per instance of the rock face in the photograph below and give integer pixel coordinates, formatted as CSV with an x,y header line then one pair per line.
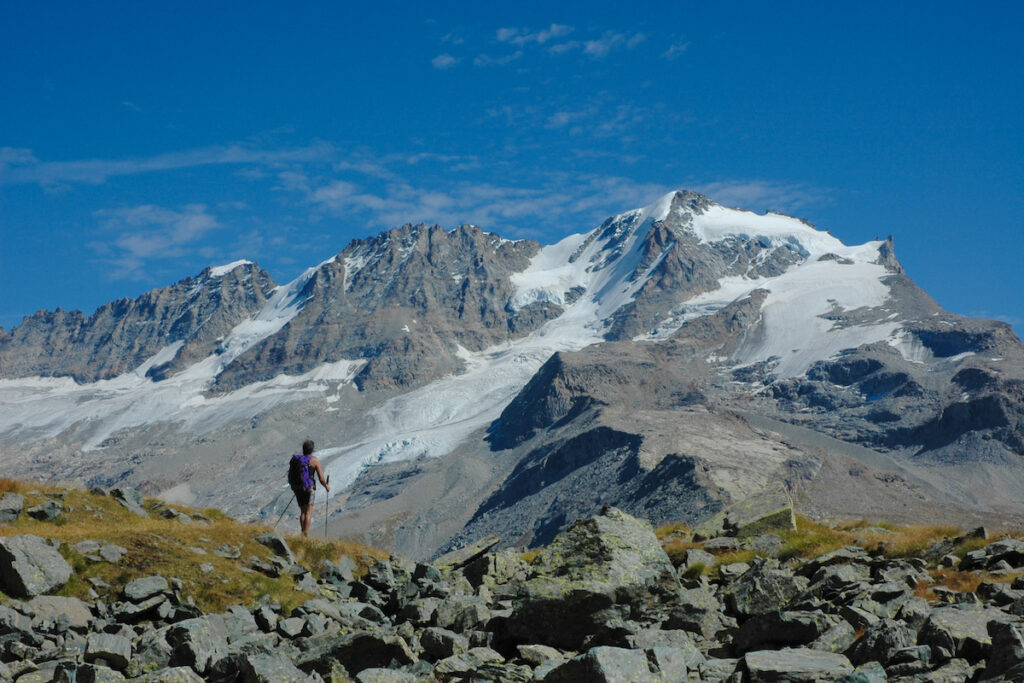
x,y
674,361
122,335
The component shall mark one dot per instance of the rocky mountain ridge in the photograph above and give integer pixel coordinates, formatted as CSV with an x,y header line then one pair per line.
x,y
682,356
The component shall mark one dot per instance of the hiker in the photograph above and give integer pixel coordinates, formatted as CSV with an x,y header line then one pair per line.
x,y
301,469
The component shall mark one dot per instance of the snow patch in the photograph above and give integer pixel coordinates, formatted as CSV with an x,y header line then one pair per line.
x,y
221,271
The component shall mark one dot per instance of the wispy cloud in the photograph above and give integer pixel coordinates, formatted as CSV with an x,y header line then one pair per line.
x,y
763,195
444,61
522,36
488,60
556,202
20,166
137,236
676,50
611,40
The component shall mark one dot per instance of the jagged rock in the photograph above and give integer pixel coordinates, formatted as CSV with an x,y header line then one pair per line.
x,y
110,649
795,665
146,587
961,631
269,668
539,654
277,545
197,643
675,645
597,563
872,672
781,629
152,652
439,643
763,588
48,511
355,651
880,641
176,674
836,639
465,663
337,573
47,608
30,566
95,673
129,498
603,665
1007,659
696,610
696,556
463,556
11,505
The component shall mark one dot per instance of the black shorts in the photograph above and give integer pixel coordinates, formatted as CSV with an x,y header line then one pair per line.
x,y
304,496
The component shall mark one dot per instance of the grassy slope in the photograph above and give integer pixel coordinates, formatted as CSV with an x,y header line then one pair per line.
x,y
170,548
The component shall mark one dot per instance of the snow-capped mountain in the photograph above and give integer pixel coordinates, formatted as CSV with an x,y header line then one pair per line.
x,y
675,358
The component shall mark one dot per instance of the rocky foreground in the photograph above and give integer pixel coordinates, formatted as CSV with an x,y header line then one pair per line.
x,y
602,602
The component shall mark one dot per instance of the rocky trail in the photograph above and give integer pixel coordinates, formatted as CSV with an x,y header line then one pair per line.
x,y
607,600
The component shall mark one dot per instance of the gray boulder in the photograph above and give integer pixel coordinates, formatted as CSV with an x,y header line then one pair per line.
x,y
463,664
47,511
145,587
438,643
962,631
795,665
176,674
880,641
72,611
872,672
109,649
11,505
603,665
30,566
96,673
765,587
277,545
587,578
197,643
780,629
385,676
1007,659
355,651
269,668
130,499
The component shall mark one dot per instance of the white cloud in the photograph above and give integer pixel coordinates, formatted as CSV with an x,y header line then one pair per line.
x,y
762,195
487,60
19,166
610,41
143,234
522,36
445,61
675,50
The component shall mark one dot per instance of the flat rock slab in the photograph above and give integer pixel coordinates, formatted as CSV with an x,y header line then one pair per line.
x,y
114,650
146,587
30,566
603,665
769,510
795,665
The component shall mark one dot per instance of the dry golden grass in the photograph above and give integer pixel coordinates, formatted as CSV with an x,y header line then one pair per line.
x,y
172,549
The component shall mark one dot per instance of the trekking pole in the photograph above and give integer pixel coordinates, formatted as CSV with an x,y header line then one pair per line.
x,y
282,515
327,494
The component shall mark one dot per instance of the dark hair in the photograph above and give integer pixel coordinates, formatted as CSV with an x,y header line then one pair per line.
x,y
307,447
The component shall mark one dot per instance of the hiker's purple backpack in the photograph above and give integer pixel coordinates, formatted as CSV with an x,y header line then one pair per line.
x,y
300,474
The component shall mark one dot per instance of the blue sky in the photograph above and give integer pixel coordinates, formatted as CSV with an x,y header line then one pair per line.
x,y
143,141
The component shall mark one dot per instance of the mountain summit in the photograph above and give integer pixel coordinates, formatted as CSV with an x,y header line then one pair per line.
x,y
673,360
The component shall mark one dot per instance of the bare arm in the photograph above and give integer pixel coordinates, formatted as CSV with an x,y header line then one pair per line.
x,y
315,463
